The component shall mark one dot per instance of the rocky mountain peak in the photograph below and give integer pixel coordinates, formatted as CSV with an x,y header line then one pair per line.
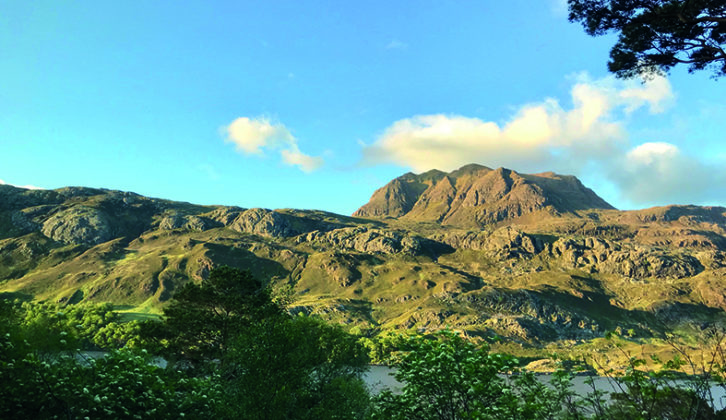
x,y
475,195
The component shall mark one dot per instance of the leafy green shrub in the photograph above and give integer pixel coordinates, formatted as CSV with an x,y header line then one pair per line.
x,y
89,326
122,385
447,377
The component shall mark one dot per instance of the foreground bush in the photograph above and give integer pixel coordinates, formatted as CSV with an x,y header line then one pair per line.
x,y
448,377
122,385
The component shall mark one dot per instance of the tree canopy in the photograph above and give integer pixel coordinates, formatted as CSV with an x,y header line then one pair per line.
x,y
203,319
656,35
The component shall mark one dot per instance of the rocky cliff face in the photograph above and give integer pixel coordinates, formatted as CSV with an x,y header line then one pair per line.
x,y
396,198
474,196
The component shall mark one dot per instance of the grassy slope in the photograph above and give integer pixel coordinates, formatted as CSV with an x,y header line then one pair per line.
x,y
538,303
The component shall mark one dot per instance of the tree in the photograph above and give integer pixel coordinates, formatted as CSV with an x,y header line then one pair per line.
x,y
295,368
42,376
271,365
202,320
656,35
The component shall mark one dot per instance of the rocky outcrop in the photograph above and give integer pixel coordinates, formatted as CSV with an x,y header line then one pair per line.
x,y
366,240
592,254
603,256
504,243
524,314
79,225
687,215
225,214
264,222
193,223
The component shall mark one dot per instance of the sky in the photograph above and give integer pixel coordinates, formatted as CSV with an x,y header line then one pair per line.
x,y
316,104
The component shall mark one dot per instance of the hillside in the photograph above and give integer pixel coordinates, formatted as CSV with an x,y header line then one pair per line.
x,y
538,259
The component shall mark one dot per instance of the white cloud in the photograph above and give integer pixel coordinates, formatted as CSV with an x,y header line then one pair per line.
x,y
252,136
661,173
536,134
29,187
306,163
657,94
590,134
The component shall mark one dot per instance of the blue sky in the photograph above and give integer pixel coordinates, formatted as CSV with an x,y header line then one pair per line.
x,y
315,104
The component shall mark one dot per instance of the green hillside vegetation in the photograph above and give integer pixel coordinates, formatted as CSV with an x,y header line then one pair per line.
x,y
537,260
230,351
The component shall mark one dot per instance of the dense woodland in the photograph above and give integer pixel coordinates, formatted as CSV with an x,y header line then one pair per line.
x,y
231,350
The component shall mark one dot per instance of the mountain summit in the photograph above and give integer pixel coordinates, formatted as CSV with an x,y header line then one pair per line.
x,y
475,195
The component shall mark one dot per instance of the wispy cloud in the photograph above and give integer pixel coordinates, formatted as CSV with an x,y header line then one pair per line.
x,y
293,156
252,136
661,172
591,132
30,187
396,45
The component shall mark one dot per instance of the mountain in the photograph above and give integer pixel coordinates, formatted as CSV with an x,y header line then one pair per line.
x,y
537,259
475,196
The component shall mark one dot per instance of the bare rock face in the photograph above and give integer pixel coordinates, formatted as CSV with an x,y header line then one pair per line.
x,y
512,243
636,262
193,223
23,221
79,225
363,239
276,224
504,243
688,215
263,222
474,196
398,196
592,253
226,214
523,314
